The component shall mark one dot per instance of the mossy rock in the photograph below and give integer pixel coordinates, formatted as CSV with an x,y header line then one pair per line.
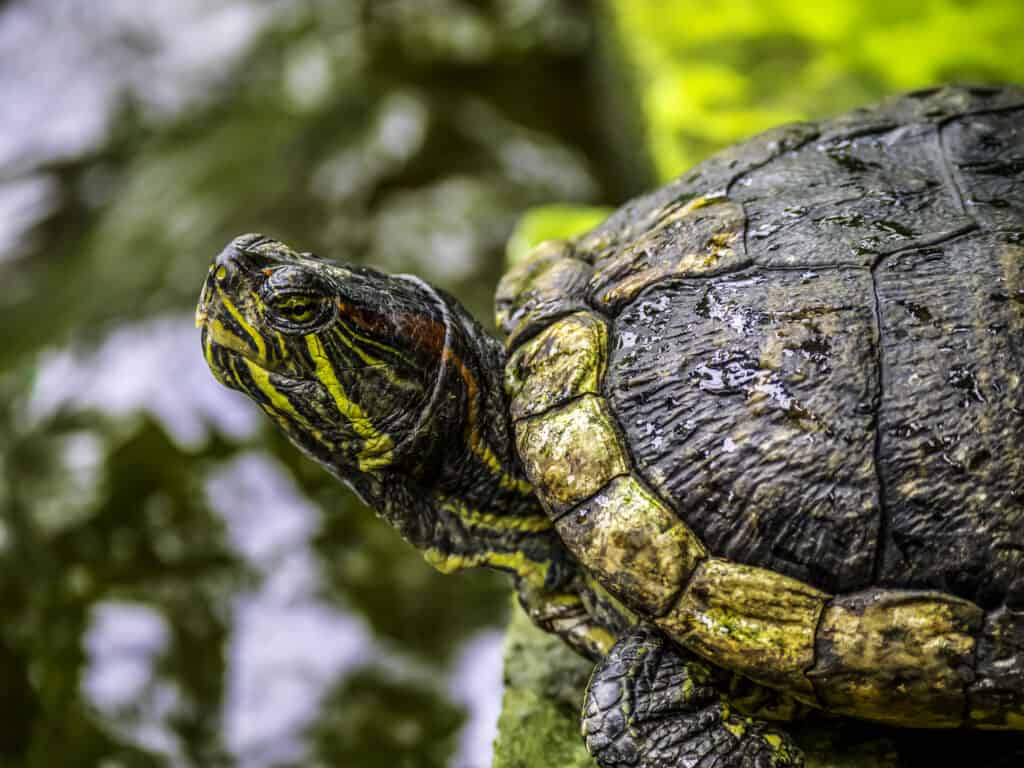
x,y
544,683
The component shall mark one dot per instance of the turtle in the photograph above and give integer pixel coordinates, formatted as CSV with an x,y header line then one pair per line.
x,y
754,444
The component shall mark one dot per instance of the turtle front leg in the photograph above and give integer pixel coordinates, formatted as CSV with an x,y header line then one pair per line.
x,y
650,704
564,613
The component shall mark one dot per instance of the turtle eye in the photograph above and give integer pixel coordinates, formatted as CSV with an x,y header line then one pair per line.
x,y
297,312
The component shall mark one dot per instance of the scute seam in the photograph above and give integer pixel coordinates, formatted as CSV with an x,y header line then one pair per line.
x,y
883,526
553,406
813,135
586,499
536,329
965,718
634,472
940,238
883,504
753,269
948,177
814,650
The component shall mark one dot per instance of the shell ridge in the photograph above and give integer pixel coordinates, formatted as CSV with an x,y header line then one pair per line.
x,y
808,132
946,164
882,377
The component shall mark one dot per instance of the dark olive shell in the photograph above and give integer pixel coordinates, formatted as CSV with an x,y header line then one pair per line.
x,y
816,345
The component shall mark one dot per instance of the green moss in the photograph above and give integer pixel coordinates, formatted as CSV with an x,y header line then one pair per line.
x,y
544,683
713,72
551,222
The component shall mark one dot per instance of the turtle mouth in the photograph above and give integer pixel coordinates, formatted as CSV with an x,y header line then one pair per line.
x,y
218,342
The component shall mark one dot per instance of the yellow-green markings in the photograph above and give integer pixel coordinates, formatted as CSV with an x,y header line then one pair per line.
x,y
505,481
565,360
570,452
896,656
281,344
751,620
226,338
279,403
378,449
535,573
208,354
567,615
370,341
634,543
473,518
257,339
342,334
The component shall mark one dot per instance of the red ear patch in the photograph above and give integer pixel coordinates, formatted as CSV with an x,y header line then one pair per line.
x,y
267,272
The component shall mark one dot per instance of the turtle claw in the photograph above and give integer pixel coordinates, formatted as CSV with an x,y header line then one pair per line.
x,y
649,704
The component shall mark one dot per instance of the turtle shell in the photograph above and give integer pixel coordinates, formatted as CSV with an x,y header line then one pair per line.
x,y
807,354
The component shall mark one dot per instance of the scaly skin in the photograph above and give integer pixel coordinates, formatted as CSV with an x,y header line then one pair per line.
x,y
648,697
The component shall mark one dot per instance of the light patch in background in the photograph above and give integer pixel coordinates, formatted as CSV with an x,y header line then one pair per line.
x,y
395,134
289,647
527,157
23,204
123,646
154,367
308,79
439,230
477,684
64,505
68,64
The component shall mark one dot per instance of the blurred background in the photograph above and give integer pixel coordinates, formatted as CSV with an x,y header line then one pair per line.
x,y
178,586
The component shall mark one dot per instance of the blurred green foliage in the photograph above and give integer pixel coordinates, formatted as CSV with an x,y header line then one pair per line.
x,y
711,72
551,222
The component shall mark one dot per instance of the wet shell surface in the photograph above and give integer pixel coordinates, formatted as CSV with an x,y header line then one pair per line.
x,y
777,406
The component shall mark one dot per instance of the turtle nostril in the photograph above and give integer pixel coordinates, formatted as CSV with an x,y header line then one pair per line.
x,y
226,265
232,260
238,257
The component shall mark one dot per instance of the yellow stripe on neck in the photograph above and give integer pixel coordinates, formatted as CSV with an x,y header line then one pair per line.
x,y
474,518
533,572
279,403
378,448
374,362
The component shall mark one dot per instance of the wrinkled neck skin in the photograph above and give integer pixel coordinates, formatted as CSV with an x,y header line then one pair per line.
x,y
455,488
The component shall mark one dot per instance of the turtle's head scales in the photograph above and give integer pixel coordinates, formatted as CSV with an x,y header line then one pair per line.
x,y
341,357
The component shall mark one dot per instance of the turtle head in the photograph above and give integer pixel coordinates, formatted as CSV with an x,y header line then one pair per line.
x,y
343,358
392,386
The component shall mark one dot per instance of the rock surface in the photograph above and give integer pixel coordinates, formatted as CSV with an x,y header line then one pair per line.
x,y
544,683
